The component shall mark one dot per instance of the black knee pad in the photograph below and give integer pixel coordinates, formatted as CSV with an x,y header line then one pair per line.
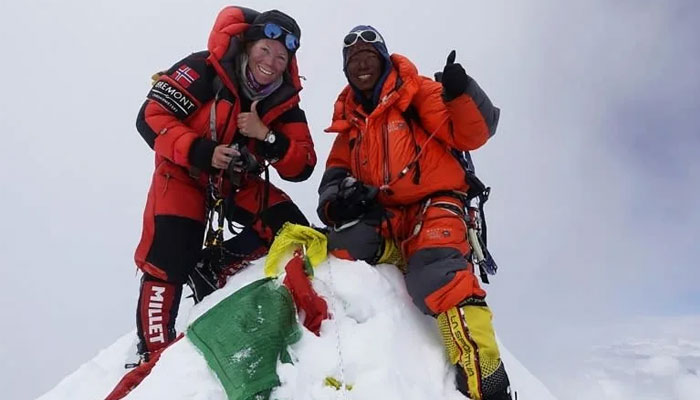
x,y
362,241
176,247
286,211
430,269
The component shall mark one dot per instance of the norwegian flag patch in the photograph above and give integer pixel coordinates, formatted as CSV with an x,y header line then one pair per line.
x,y
185,76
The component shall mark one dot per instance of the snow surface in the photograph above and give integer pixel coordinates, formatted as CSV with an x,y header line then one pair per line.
x,y
377,342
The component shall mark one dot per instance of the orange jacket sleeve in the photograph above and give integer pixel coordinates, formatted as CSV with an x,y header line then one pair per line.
x,y
339,155
458,123
337,168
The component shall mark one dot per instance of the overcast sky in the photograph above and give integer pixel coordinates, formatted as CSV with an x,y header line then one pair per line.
x,y
595,167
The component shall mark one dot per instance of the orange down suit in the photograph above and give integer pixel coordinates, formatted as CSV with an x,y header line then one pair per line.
x,y
379,149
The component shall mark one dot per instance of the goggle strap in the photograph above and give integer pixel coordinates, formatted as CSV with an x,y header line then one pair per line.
x,y
360,35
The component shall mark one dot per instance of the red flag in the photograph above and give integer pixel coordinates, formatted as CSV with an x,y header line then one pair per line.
x,y
134,377
305,297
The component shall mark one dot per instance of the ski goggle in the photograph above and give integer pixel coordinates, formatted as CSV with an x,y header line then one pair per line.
x,y
274,31
367,36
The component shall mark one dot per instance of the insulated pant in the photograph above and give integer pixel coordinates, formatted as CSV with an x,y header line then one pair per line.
x,y
432,237
174,222
175,219
156,313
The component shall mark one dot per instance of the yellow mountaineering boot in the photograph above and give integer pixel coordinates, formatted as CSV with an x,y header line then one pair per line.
x,y
391,254
470,341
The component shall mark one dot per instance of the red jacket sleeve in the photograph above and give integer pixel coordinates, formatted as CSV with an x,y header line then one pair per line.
x,y
294,149
173,99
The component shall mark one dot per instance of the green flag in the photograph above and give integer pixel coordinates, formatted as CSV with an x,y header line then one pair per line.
x,y
244,335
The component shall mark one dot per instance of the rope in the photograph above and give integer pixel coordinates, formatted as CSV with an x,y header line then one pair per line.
x,y
341,368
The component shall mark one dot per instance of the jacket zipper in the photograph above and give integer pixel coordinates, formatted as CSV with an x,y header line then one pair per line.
x,y
358,143
358,158
167,180
385,145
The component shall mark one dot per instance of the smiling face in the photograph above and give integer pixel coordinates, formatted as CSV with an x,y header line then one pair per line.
x,y
364,68
267,60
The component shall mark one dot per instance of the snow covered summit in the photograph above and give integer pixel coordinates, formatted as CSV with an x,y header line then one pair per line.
x,y
377,343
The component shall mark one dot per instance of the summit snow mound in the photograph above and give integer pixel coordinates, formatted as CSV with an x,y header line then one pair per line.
x,y
377,345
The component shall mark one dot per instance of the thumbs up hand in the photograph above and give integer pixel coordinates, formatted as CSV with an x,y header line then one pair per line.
x,y
250,125
453,77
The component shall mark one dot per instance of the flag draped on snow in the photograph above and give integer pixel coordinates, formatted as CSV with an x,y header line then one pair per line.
x,y
244,335
290,238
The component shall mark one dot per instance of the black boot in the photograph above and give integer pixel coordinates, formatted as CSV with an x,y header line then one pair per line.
x,y
202,281
493,387
218,262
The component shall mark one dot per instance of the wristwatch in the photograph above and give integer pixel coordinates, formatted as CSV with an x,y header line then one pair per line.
x,y
270,137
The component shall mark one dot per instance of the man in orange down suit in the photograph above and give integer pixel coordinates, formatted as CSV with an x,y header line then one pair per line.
x,y
392,184
214,119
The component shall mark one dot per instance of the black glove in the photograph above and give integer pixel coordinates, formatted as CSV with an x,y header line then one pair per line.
x,y
244,163
453,77
353,200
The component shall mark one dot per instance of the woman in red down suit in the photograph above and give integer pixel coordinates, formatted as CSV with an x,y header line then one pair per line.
x,y
213,119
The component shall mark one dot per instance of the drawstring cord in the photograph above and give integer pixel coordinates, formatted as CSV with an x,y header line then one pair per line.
x,y
414,161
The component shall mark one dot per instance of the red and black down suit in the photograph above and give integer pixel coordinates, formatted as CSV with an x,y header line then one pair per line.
x,y
197,93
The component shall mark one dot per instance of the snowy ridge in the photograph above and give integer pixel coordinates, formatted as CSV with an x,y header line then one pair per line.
x,y
377,342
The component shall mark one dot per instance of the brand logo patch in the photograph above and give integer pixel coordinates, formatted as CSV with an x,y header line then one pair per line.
x,y
156,331
185,76
393,126
178,102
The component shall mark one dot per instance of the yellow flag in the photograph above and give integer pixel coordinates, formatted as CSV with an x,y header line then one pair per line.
x,y
290,238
